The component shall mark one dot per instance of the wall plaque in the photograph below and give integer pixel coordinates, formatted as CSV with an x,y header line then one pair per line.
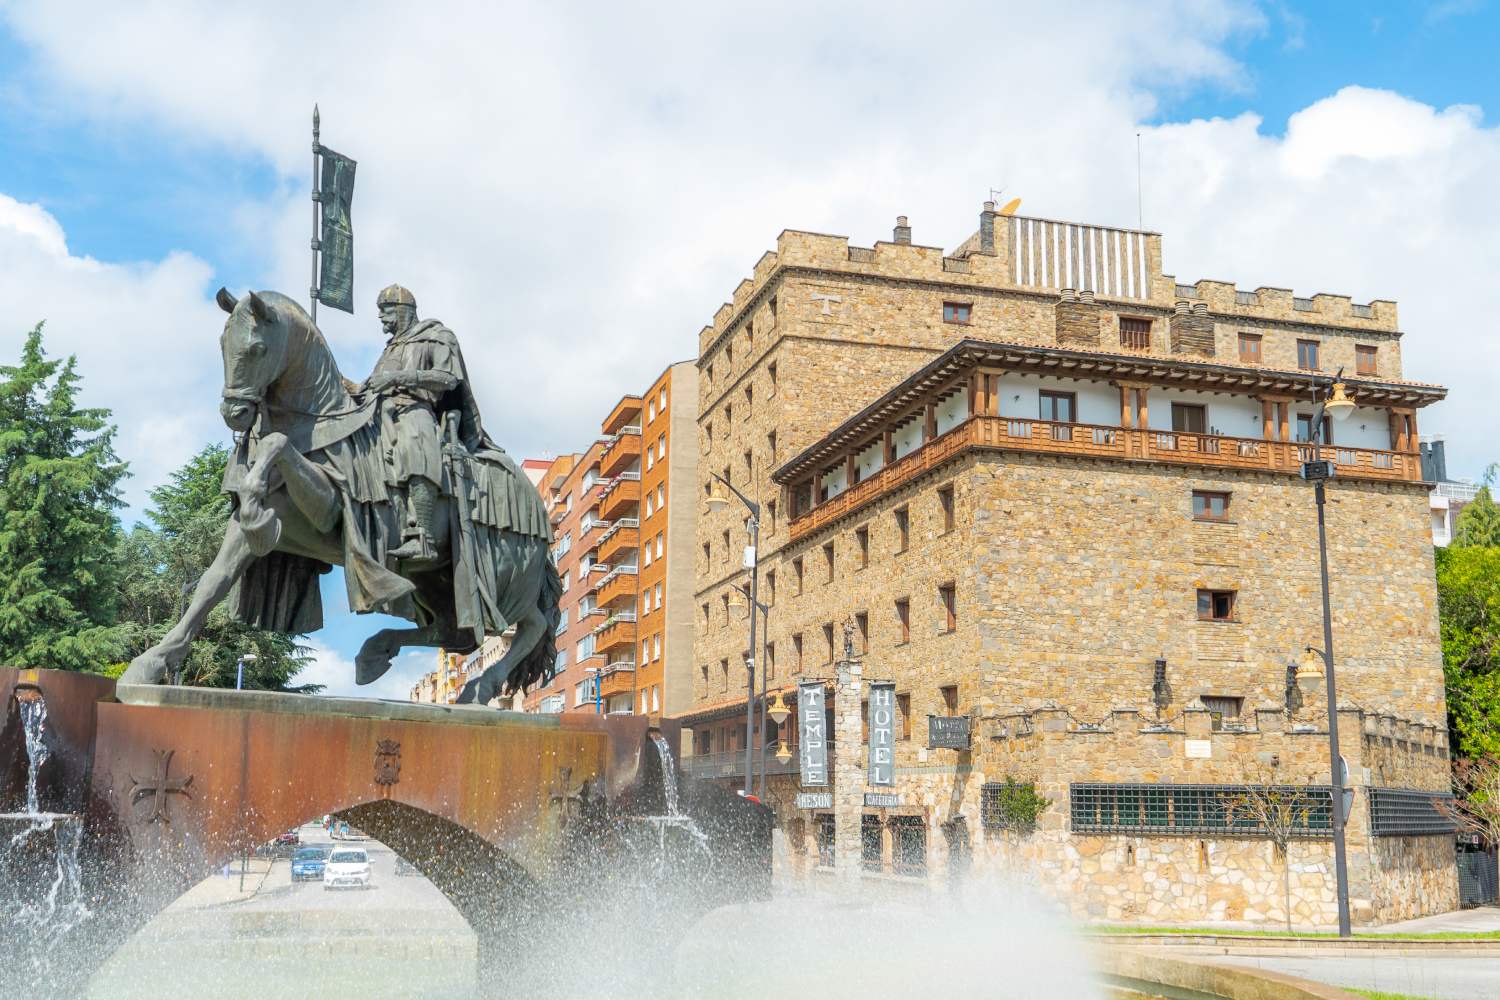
x,y
1200,748
948,732
814,800
812,725
882,733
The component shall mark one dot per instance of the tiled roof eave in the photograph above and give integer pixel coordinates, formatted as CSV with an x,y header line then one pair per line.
x,y
1166,370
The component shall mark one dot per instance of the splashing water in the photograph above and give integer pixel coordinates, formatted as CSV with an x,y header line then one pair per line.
x,y
33,725
668,773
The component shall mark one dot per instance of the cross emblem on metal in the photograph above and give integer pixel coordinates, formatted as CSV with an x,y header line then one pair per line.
x,y
159,787
568,799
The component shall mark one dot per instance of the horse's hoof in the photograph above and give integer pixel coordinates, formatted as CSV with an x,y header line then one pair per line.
x,y
372,660
148,668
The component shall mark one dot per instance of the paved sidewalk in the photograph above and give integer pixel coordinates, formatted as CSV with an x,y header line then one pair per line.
x,y
216,890
1472,921
1437,977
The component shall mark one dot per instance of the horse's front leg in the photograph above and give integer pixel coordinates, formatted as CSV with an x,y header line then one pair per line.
x,y
307,485
235,554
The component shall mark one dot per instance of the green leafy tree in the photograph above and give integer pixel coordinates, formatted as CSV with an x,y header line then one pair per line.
x,y
161,566
1478,524
59,480
1469,620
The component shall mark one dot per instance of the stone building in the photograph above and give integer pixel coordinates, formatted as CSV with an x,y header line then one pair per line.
x,y
1055,493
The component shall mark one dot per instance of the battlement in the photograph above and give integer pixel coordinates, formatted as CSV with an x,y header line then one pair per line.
x,y
1038,256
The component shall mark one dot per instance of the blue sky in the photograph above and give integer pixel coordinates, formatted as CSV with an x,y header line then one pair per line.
x,y
576,195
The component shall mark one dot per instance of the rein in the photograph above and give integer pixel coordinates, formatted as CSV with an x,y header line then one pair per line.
x,y
258,399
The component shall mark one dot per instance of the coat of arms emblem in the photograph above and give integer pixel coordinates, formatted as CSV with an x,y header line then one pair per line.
x,y
387,762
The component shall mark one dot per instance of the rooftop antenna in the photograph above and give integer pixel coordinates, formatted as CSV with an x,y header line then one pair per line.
x,y
1140,217
1009,208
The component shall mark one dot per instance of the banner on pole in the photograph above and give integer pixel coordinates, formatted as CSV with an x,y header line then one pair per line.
x,y
882,733
812,725
336,242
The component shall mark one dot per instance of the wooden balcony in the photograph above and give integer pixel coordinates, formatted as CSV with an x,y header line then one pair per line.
x,y
618,678
1119,443
621,452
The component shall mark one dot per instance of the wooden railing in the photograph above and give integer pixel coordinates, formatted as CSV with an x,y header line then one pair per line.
x,y
1101,441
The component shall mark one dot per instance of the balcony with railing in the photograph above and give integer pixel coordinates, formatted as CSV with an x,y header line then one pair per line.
x,y
623,450
622,497
626,412
616,632
618,677
620,542
618,585
924,422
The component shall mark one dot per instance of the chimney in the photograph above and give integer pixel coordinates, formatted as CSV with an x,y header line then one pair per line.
x,y
902,232
1434,460
987,229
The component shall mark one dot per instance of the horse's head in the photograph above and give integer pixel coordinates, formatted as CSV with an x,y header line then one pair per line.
x,y
254,345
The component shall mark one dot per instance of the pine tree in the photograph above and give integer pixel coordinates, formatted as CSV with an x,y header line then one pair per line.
x,y
1478,523
161,565
59,479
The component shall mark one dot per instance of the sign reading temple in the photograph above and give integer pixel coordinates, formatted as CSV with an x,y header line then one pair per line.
x,y
813,737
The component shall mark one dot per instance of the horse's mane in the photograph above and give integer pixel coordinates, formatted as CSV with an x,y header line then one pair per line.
x,y
311,367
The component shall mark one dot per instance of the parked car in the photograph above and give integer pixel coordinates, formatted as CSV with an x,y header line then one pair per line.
x,y
347,866
308,862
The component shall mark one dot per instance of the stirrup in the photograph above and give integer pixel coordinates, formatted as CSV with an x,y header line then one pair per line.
x,y
416,548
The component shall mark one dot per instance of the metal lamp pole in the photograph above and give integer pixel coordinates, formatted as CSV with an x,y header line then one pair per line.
x,y
765,612
1318,471
239,672
714,503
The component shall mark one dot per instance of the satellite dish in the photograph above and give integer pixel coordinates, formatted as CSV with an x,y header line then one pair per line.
x,y
1009,208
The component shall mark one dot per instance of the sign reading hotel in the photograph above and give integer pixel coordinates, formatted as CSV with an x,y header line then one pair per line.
x,y
882,733
813,735
948,732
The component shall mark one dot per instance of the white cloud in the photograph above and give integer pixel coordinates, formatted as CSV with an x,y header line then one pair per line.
x,y
144,332
575,193
335,672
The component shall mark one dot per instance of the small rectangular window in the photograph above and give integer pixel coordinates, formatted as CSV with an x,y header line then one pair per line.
x,y
828,640
1222,709
749,465
1307,355
749,396
903,716
1305,429
771,445
828,561
950,698
957,312
948,597
945,501
726,546
797,575
862,546
1216,605
903,528
770,517
705,614
1189,418
770,660
770,588
1364,359
903,620
1059,406
708,557
771,374
797,652
1250,348
1135,333
1209,505
862,630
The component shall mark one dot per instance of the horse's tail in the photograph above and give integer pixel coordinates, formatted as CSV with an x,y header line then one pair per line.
x,y
540,664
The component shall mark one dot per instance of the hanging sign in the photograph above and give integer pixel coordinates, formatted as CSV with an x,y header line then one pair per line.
x,y
812,725
948,732
882,733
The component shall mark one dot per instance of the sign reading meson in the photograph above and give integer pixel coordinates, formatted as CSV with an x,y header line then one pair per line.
x,y
813,752
948,732
882,733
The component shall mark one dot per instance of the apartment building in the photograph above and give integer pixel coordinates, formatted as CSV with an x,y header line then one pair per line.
x,y
1053,496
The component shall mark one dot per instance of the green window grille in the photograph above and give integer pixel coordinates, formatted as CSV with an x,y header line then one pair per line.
x,y
1183,810
1405,812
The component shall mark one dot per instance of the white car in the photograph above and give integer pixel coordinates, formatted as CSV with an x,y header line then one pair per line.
x,y
347,866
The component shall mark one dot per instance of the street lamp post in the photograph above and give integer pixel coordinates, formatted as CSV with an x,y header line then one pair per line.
x,y
765,670
715,501
1318,471
598,688
239,671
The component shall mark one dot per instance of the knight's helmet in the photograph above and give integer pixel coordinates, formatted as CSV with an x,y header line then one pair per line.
x,y
395,295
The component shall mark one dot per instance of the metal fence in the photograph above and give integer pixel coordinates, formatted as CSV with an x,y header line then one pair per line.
x,y
1478,878
1185,810
1404,812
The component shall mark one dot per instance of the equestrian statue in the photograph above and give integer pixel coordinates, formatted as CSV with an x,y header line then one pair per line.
x,y
393,479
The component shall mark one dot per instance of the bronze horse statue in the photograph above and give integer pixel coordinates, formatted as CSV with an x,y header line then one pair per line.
x,y
308,492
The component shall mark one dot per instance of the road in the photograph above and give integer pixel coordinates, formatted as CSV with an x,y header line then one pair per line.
x,y
1459,977
399,938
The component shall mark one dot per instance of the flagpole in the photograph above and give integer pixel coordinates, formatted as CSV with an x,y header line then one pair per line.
x,y
317,219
